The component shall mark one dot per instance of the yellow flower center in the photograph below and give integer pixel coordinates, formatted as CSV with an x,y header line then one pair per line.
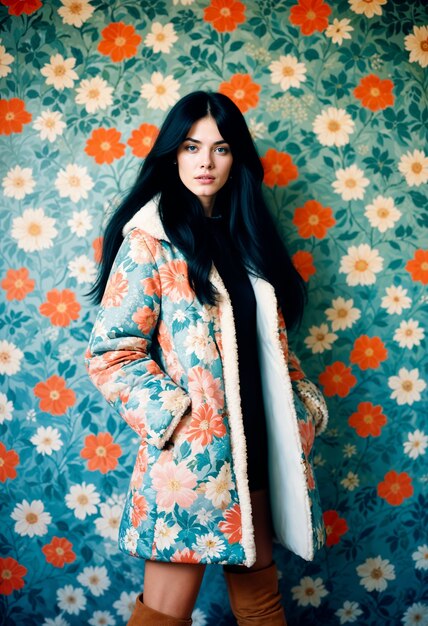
x,y
101,451
4,357
204,425
424,45
333,126
350,182
407,385
239,94
74,181
19,283
311,15
342,312
369,352
310,591
60,70
160,90
94,580
225,12
114,522
94,93
277,168
383,212
6,574
10,116
416,167
83,499
368,418
60,551
160,37
287,70
47,441
34,229
75,8
2,462
31,518
320,336
424,266
313,220
120,41
375,92
61,308
376,573
54,395
361,265
174,484
106,146
18,182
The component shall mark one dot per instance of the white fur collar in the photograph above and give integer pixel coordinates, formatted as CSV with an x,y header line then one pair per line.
x,y
147,218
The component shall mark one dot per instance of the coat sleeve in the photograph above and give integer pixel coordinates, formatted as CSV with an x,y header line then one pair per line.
x,y
120,356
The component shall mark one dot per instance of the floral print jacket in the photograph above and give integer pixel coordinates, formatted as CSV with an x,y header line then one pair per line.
x,y
169,366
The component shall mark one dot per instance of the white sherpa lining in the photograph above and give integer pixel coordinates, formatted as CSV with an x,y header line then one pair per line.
x,y
290,502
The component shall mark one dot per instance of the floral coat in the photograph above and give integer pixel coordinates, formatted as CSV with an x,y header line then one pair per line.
x,y
169,366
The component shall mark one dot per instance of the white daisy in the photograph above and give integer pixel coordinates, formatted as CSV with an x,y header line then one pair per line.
x,y
47,440
409,334
34,231
161,38
94,93
80,223
416,444
83,269
57,621
74,182
5,60
108,524
375,573
199,618
414,167
333,127
50,125
421,557
83,500
203,516
416,44
71,599
287,72
369,9
125,605
131,539
339,30
320,339
95,579
6,407
310,591
75,12
18,182
209,546
382,213
10,358
174,401
257,129
349,450
350,183
200,342
416,615
218,487
349,612
342,314
165,535
361,265
351,481
102,618
59,72
31,519
161,92
406,386
396,300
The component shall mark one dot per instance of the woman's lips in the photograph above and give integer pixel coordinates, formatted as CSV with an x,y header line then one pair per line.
x,y
205,180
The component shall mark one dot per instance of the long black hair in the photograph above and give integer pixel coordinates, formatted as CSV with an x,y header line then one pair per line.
x,y
182,215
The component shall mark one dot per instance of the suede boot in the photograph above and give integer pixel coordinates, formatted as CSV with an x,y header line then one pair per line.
x,y
145,616
254,597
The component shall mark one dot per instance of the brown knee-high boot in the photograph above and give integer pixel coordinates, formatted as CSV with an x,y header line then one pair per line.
x,y
254,597
145,616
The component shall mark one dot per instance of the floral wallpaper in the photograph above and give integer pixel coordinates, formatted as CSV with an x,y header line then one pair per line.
x,y
335,95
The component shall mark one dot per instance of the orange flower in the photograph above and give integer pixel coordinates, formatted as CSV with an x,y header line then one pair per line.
x,y
18,7
55,397
11,573
185,556
395,488
242,90
232,525
335,527
337,379
142,139
368,352
367,420
17,284
101,452
174,281
61,307
139,509
307,436
313,220
13,116
304,263
145,318
418,266
8,460
279,168
310,15
59,552
116,290
97,246
225,15
104,145
205,425
119,42
375,93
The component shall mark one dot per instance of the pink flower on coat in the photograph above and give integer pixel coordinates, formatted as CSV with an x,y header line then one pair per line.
x,y
145,318
203,387
116,290
232,525
138,250
175,282
139,509
140,468
307,436
175,484
185,556
136,419
205,425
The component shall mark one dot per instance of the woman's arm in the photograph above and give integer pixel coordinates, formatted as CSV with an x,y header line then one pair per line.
x,y
118,358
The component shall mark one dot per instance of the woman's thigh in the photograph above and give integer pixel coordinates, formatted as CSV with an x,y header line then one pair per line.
x,y
172,588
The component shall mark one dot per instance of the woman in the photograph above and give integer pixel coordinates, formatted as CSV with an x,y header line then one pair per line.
x,y
190,347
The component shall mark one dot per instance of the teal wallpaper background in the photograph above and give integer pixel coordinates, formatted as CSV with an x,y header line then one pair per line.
x,y
335,95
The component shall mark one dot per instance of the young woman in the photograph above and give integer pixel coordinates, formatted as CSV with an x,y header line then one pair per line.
x,y
190,347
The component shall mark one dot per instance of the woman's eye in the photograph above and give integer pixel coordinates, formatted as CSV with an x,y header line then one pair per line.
x,y
191,148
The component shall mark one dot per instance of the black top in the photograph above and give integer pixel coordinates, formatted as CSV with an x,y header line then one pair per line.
x,y
234,275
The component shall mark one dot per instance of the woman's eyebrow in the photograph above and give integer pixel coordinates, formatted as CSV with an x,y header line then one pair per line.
x,y
216,143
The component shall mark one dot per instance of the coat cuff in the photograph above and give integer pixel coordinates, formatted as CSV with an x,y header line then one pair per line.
x,y
159,439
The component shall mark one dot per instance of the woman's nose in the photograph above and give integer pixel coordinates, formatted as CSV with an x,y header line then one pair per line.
x,y
206,159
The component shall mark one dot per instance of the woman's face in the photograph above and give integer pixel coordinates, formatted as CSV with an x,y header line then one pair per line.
x,y
204,161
